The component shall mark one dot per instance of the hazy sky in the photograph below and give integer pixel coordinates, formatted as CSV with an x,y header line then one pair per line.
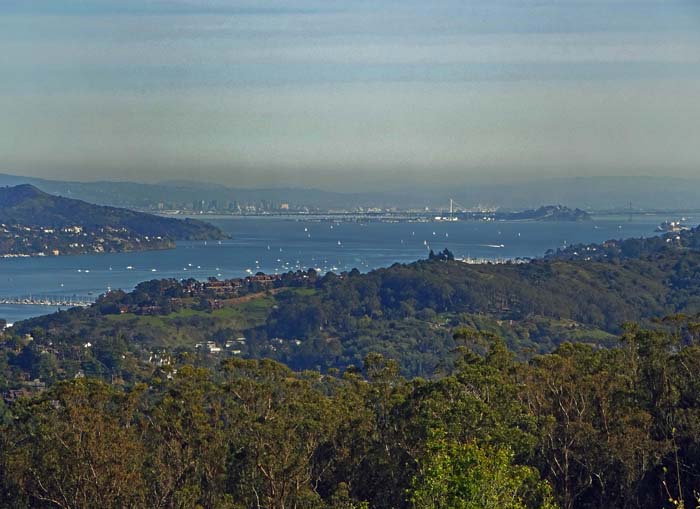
x,y
323,92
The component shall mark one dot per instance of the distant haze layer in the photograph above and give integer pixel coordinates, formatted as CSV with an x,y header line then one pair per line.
x,y
349,95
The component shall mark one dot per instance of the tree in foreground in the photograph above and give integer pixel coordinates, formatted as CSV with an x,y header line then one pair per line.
x,y
468,476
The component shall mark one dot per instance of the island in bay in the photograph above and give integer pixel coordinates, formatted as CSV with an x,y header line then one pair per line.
x,y
35,223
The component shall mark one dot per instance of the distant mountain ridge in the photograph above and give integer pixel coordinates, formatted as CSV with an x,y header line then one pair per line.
x,y
34,222
143,195
588,193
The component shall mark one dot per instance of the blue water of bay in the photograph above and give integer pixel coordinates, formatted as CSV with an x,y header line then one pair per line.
x,y
275,245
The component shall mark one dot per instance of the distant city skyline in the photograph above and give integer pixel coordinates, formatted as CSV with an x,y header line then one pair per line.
x,y
348,95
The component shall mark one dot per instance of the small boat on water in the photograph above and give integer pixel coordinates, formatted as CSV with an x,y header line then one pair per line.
x,y
672,227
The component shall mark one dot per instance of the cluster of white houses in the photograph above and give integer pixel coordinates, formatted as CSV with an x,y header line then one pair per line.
x,y
232,345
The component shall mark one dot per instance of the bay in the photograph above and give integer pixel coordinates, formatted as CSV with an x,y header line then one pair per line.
x,y
275,245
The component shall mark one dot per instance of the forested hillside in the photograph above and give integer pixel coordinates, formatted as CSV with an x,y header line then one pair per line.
x,y
577,428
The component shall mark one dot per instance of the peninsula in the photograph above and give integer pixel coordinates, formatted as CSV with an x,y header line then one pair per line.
x,y
34,223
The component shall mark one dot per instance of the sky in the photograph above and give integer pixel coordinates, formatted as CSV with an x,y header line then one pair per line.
x,y
349,95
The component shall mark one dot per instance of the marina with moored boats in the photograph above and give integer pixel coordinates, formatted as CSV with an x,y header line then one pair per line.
x,y
54,301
